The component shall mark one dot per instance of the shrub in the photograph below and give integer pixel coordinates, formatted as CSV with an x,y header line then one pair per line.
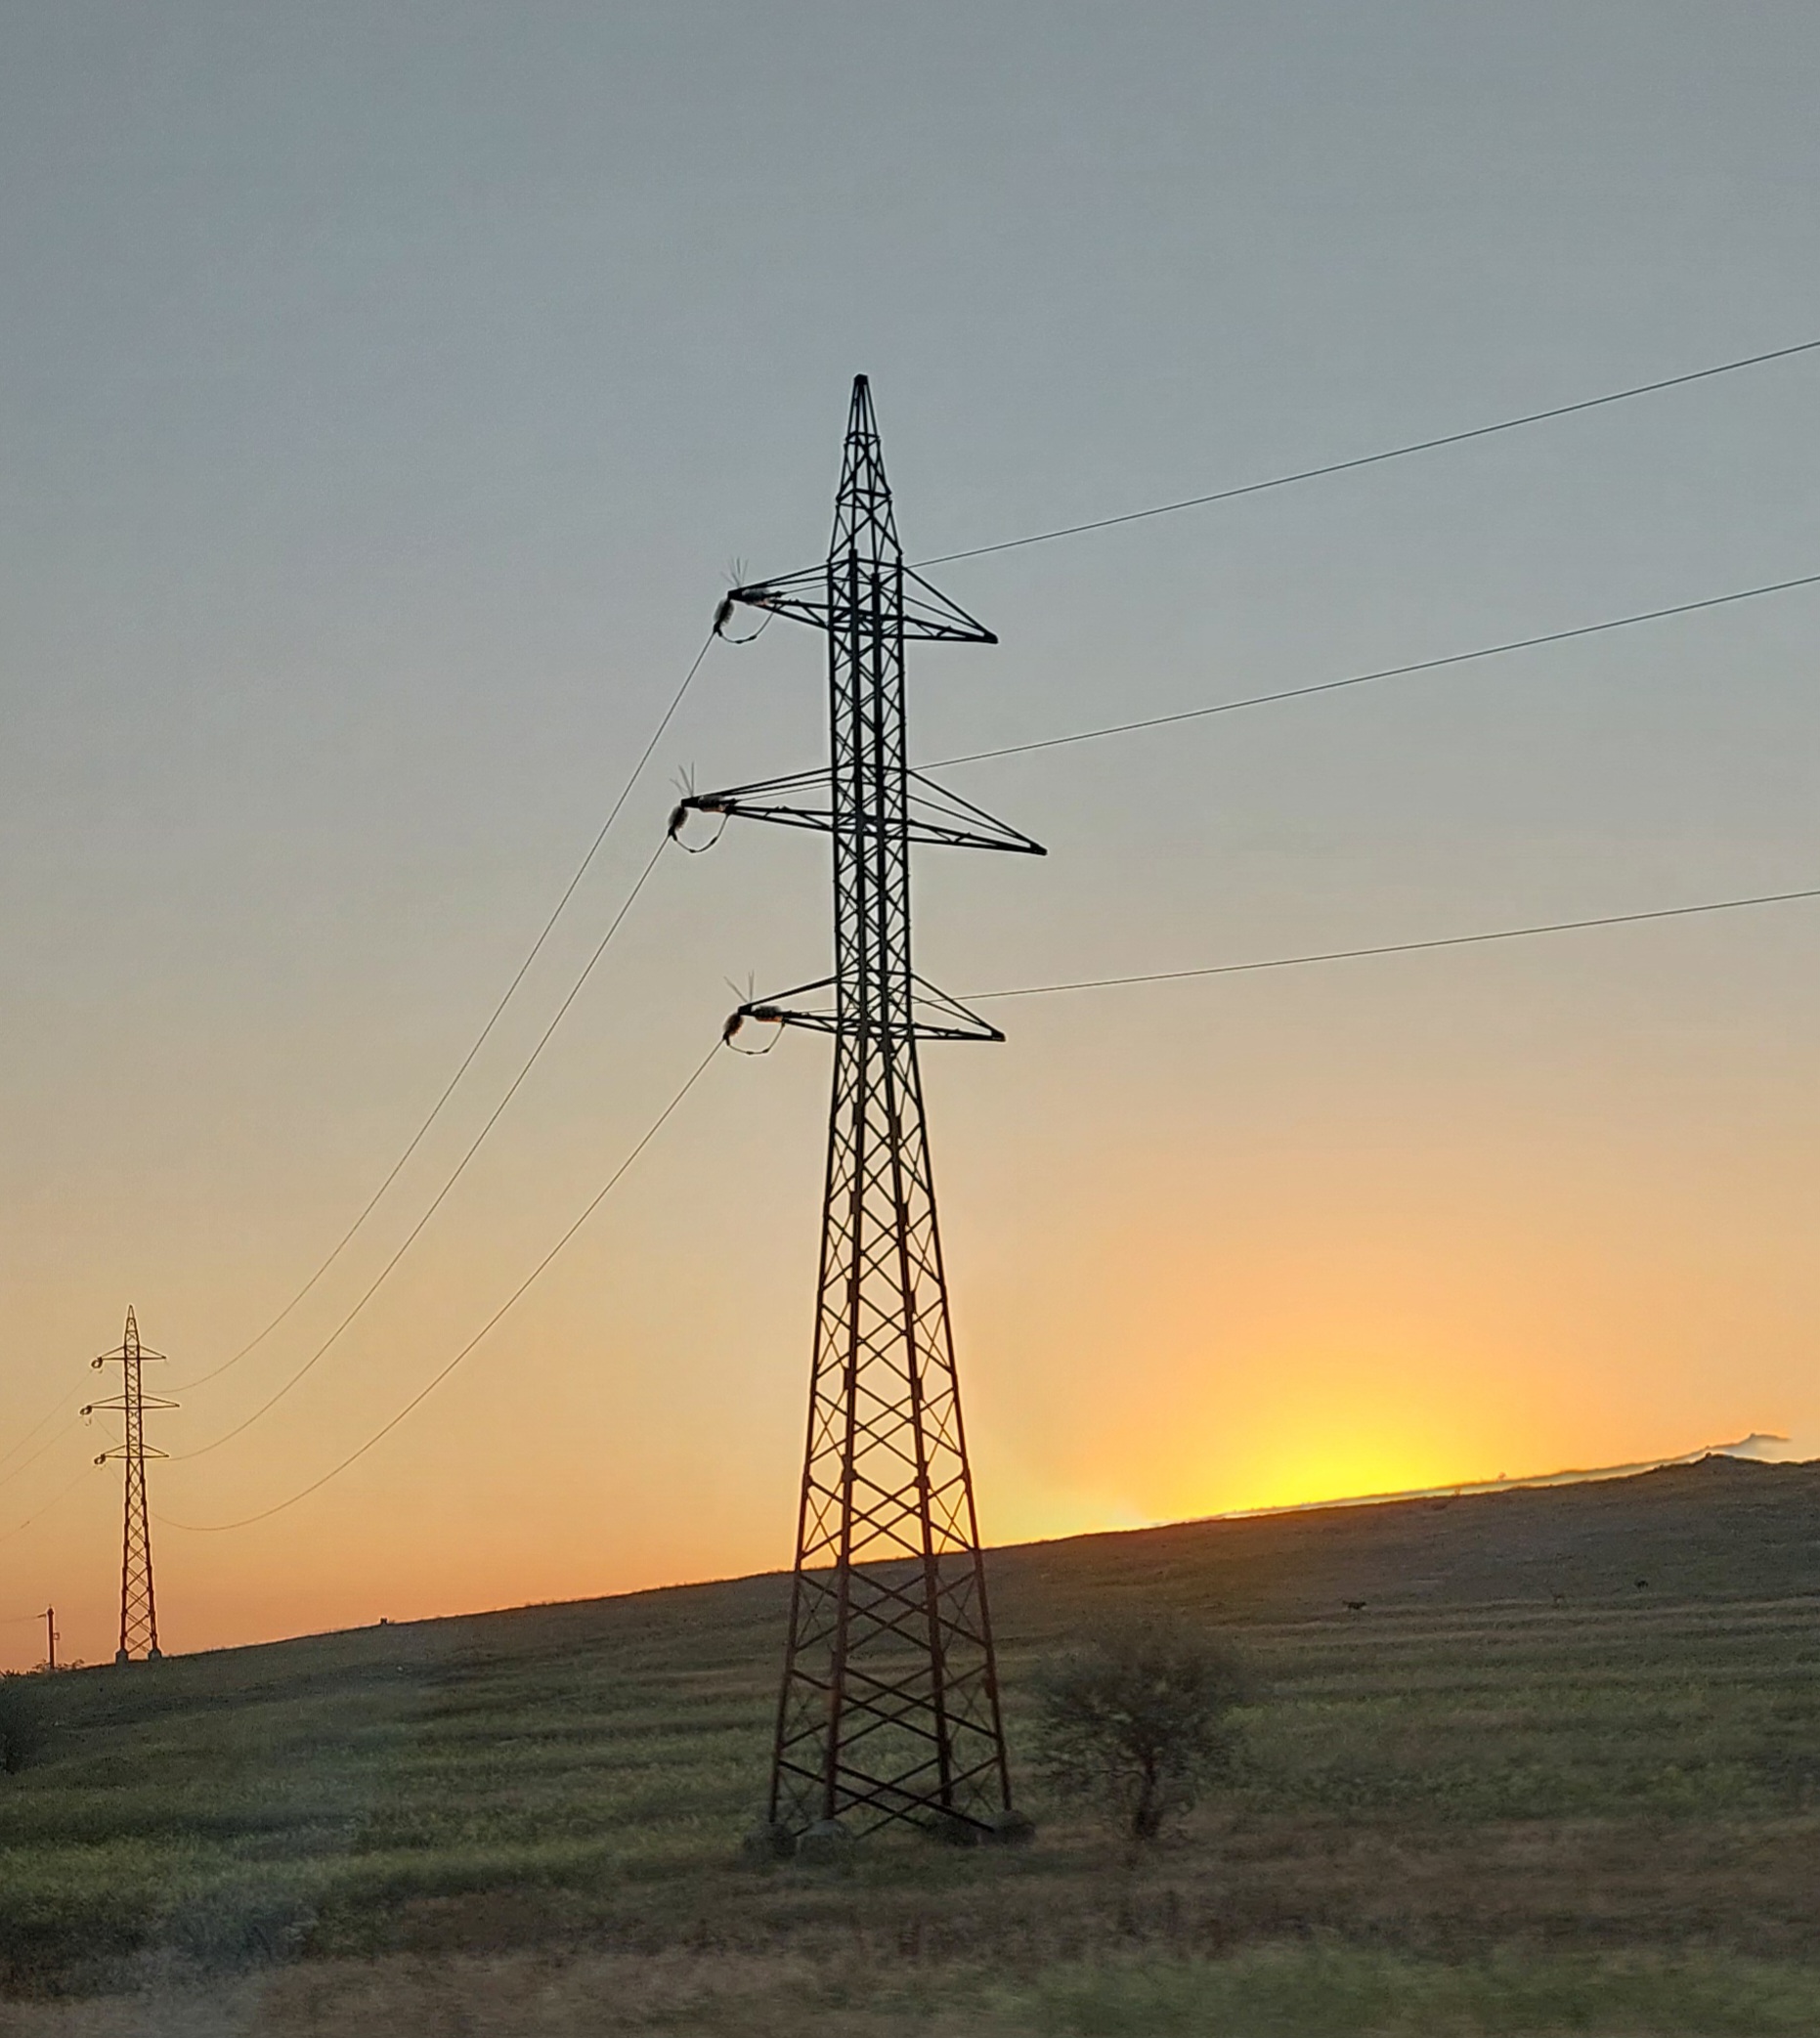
x,y
1138,1720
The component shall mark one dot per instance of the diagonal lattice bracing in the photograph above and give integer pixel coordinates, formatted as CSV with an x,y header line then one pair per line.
x,y
889,1702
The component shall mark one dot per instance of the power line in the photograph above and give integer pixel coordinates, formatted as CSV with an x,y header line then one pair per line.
x,y
45,1506
1103,523
460,1166
1422,665
1037,538
60,1408
55,1437
1372,460
1344,955
480,1040
423,1392
1022,991
56,1409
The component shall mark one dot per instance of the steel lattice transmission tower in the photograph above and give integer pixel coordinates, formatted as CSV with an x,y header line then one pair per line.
x,y
889,1707
139,1604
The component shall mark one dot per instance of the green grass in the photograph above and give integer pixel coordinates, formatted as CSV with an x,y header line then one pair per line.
x,y
1517,1792
1334,1992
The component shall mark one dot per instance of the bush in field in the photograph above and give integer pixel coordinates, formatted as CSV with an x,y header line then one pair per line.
x,y
23,1728
1138,1720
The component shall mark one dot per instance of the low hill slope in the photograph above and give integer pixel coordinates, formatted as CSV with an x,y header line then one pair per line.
x,y
1556,1721
1724,1528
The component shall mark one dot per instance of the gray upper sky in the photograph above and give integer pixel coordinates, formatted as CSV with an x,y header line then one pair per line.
x,y
389,391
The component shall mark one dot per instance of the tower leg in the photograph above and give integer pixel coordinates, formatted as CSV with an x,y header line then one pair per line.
x,y
890,1705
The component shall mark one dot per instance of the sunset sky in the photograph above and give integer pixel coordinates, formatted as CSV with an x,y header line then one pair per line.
x,y
390,391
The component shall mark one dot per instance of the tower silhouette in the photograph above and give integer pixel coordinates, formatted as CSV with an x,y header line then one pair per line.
x,y
139,1605
889,1706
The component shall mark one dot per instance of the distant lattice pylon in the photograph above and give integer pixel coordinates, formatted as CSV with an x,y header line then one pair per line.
x,y
139,1604
889,1707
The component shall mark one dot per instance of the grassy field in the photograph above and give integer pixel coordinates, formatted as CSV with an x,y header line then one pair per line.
x,y
1561,1772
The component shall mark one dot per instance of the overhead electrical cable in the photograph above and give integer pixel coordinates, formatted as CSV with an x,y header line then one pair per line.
x,y
1007,545
1373,459
55,1437
379,1281
656,1125
1421,665
485,1033
1346,955
1329,468
56,1408
44,1506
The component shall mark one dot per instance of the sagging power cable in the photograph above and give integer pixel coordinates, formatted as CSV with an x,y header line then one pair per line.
x,y
44,1506
1420,665
481,1038
423,1392
978,551
58,1407
1373,459
379,1281
1347,955
55,1437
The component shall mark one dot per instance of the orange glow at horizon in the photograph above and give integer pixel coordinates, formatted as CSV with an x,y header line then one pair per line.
x,y
1342,1454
